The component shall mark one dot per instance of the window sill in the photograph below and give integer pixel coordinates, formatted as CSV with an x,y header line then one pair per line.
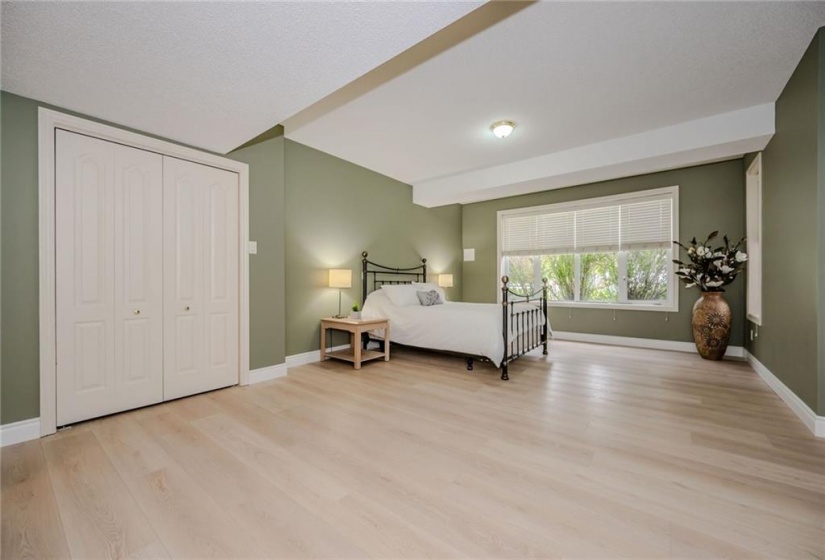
x,y
665,307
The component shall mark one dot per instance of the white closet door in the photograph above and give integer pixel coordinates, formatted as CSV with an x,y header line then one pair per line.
x,y
201,268
108,212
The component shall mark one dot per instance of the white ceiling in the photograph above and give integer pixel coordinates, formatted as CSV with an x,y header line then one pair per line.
x,y
598,90
211,75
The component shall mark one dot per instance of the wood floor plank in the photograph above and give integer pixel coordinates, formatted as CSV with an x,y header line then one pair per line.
x,y
100,517
273,521
410,494
189,522
380,531
29,516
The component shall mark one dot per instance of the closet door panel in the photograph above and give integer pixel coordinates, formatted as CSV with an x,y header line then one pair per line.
x,y
183,254
201,276
91,360
103,203
187,228
139,275
221,291
84,173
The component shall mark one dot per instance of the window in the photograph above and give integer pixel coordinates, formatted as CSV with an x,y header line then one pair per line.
x,y
753,203
614,252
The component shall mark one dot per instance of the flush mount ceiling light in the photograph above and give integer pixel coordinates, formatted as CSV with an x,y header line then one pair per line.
x,y
502,129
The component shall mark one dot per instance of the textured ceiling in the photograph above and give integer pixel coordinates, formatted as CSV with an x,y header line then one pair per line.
x,y
211,75
571,75
408,89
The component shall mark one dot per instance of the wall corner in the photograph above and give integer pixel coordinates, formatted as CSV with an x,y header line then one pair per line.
x,y
820,137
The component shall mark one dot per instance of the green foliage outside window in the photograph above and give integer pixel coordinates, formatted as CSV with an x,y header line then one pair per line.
x,y
599,273
522,275
647,275
600,277
561,277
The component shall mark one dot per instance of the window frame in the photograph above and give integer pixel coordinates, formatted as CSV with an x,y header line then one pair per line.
x,y
671,305
753,244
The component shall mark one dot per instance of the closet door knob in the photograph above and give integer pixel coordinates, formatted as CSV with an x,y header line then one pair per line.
x,y
186,308
136,311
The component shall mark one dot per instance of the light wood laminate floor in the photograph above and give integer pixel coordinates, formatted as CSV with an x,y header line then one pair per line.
x,y
592,452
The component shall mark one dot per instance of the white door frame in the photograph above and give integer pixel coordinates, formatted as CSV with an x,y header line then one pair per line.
x,y
48,121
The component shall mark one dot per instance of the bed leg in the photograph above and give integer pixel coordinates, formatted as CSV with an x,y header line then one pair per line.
x,y
544,348
469,364
504,376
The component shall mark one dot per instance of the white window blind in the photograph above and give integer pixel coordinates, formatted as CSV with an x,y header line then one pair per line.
x,y
647,224
621,223
538,234
597,229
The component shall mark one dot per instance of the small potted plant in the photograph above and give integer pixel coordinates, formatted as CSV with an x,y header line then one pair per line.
x,y
710,269
356,311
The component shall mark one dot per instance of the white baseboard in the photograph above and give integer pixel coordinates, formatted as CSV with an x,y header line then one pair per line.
x,y
309,357
18,432
652,343
816,424
266,373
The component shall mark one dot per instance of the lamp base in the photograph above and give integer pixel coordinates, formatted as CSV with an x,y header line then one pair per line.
x,y
339,316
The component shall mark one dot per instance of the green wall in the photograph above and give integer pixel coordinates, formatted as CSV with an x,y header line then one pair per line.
x,y
267,308
710,197
820,273
19,349
335,210
789,342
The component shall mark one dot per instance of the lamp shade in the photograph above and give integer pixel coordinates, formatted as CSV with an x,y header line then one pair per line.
x,y
445,280
340,278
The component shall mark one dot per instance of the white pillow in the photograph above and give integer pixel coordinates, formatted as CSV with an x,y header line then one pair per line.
x,y
427,286
402,295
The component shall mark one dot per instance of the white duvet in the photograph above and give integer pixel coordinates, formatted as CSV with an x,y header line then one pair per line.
x,y
467,328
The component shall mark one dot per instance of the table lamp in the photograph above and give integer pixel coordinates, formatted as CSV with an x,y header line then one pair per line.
x,y
340,278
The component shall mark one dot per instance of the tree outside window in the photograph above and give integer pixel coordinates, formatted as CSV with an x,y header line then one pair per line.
x,y
594,277
647,274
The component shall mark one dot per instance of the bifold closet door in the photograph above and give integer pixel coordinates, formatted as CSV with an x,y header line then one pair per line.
x,y
200,236
109,282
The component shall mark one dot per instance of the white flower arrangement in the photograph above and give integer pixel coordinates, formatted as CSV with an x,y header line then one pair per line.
x,y
711,269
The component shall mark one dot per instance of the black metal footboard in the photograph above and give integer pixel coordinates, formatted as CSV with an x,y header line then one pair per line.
x,y
524,327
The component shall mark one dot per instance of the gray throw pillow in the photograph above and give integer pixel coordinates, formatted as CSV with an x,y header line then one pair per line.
x,y
429,298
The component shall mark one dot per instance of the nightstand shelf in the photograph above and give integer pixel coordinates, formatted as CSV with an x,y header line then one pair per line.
x,y
348,354
356,328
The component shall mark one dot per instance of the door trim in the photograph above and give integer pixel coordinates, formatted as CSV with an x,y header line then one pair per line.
x,y
48,122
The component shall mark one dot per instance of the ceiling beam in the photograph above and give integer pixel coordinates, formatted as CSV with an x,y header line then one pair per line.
x,y
720,137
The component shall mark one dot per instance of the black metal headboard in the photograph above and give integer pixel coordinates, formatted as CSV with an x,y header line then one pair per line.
x,y
388,275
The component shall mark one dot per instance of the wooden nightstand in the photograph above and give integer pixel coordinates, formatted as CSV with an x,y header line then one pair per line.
x,y
356,327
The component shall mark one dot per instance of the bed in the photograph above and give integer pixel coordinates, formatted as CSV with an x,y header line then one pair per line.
x,y
499,333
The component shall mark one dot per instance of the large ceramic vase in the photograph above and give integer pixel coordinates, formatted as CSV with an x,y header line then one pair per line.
x,y
711,325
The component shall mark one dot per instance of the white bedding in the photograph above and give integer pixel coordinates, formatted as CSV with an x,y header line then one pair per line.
x,y
467,328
